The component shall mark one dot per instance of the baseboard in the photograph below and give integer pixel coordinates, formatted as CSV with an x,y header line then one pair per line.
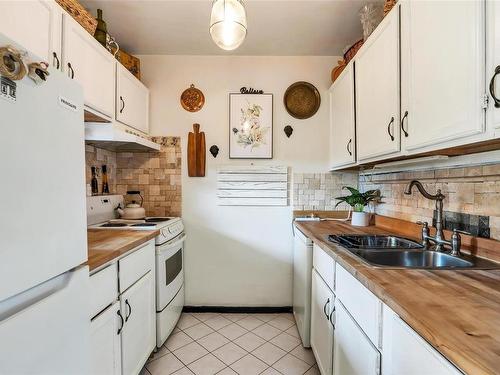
x,y
238,309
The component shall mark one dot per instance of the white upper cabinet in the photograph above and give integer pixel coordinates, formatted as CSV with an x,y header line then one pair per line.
x,y
353,352
132,100
89,63
493,62
377,92
35,25
342,120
442,72
322,301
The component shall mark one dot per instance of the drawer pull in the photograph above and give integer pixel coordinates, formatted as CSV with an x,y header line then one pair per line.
x,y
56,59
349,147
403,124
123,104
389,128
332,317
129,310
71,72
324,308
492,87
121,322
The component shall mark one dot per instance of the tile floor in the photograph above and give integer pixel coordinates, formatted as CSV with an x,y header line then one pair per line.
x,y
225,344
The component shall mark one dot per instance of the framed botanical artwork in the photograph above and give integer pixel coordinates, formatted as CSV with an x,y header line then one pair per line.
x,y
250,126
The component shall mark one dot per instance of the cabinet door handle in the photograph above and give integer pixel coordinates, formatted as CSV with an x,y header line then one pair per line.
x,y
349,147
332,318
492,87
71,72
56,60
123,104
129,310
389,128
324,308
121,322
403,124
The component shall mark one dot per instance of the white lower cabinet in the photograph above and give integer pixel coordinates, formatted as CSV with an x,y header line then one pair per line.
x,y
405,352
321,327
124,333
105,342
353,352
138,337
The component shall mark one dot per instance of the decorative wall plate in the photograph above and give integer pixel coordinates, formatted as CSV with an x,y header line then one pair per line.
x,y
192,99
302,100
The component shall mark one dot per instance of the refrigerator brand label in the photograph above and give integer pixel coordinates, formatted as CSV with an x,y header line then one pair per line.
x,y
66,103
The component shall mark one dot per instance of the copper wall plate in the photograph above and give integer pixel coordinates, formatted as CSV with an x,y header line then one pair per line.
x,y
302,100
192,99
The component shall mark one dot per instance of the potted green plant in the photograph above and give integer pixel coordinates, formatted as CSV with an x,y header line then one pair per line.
x,y
358,201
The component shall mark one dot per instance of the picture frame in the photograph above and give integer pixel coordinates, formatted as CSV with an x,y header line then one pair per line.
x,y
251,126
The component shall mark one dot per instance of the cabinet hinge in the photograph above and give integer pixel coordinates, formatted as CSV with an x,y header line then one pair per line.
x,y
486,100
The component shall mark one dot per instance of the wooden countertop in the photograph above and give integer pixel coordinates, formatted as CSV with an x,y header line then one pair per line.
x,y
457,312
106,245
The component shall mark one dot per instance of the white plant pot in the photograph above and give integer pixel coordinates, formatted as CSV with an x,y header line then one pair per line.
x,y
360,219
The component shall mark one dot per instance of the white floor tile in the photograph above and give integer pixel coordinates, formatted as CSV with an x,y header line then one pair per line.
x,y
268,353
183,371
291,365
304,354
281,323
293,331
217,322
204,316
313,371
198,331
285,341
144,371
289,316
266,331
166,365
232,331
227,371
159,353
207,365
190,353
265,317
186,321
177,341
270,371
213,341
249,341
234,317
249,365
250,322
229,353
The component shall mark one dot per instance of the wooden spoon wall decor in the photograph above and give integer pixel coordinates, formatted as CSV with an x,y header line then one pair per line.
x,y
196,152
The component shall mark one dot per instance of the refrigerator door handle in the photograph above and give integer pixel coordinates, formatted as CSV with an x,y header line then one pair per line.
x,y
19,302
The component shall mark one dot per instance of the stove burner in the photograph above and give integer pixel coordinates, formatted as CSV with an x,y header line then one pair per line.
x,y
143,225
114,225
156,219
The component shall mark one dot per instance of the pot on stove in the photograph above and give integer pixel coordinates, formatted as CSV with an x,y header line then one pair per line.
x,y
133,210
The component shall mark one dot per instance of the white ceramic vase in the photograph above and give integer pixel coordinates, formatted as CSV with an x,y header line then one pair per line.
x,y
360,219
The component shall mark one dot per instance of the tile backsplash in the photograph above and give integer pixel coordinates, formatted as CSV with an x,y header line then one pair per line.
x,y
472,198
317,191
157,175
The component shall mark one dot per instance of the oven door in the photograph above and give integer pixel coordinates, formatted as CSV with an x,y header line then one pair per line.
x,y
169,270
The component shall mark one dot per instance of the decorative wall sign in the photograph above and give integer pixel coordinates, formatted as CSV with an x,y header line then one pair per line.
x,y
288,130
250,126
250,90
252,185
302,100
192,99
214,150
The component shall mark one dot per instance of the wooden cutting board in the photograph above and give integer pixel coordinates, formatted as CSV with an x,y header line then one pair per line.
x,y
196,152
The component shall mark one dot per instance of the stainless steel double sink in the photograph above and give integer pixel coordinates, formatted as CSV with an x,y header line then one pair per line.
x,y
398,252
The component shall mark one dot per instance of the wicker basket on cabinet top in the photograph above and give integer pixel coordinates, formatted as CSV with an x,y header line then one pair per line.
x,y
80,14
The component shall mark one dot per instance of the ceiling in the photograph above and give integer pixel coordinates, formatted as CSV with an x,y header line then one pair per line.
x,y
275,27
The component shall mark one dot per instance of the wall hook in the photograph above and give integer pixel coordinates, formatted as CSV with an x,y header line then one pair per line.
x,y
288,130
214,150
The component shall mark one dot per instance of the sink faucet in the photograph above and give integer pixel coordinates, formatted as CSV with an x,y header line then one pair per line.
x,y
439,238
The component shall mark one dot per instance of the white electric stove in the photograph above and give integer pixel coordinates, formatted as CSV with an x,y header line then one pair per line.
x,y
102,214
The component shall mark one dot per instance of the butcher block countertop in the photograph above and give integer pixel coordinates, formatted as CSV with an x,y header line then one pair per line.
x,y
457,312
104,246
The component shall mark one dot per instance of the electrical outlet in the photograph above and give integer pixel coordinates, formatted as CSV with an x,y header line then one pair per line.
x,y
8,89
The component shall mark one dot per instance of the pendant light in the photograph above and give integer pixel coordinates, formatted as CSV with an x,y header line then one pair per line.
x,y
228,23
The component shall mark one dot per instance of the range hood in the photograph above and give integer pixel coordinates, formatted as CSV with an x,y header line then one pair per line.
x,y
112,137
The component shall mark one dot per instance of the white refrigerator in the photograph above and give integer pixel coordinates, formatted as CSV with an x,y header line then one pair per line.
x,y
44,286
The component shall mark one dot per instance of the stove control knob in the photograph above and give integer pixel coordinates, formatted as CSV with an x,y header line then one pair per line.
x,y
163,232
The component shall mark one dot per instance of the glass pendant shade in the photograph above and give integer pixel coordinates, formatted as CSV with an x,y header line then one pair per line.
x,y
228,23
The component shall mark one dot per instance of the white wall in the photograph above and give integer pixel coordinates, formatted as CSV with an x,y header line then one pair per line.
x,y
237,256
